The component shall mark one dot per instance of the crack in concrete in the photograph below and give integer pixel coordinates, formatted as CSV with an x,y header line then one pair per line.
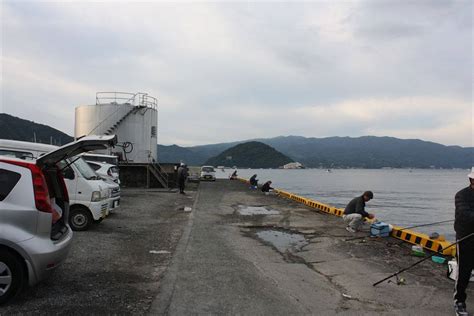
x,y
290,257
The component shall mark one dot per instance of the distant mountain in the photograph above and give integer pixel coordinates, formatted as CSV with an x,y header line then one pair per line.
x,y
359,152
176,154
19,129
250,155
372,152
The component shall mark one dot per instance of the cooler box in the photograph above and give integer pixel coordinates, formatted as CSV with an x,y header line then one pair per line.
x,y
379,229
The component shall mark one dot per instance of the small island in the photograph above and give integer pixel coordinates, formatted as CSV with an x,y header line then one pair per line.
x,y
250,155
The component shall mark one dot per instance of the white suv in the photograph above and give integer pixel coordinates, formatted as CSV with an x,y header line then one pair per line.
x,y
35,236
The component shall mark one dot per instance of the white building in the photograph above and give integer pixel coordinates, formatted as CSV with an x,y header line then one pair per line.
x,y
293,165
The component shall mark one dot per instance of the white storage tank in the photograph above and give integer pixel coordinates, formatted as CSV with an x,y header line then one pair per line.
x,y
133,117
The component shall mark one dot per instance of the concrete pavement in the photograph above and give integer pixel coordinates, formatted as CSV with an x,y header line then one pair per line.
x,y
221,266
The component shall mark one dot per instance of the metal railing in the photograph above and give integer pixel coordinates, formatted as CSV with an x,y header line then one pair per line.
x,y
135,99
138,100
161,172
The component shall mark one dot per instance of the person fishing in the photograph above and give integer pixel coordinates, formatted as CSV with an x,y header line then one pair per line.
x,y
464,226
253,181
354,213
266,187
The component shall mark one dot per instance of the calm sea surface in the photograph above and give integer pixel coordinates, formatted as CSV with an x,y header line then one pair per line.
x,y
401,196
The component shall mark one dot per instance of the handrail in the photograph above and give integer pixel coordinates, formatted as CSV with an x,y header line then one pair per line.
x,y
107,117
117,97
160,170
138,100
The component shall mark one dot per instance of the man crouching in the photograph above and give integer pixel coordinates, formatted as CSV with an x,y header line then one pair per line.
x,y
355,213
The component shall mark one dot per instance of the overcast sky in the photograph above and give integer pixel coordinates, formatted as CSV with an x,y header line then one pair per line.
x,y
234,71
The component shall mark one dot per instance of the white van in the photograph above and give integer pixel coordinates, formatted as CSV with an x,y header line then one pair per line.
x,y
88,193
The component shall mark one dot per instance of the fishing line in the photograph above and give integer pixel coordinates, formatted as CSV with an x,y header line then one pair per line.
x,y
424,259
422,225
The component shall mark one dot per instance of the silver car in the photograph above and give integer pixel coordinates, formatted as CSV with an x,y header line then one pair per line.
x,y
34,233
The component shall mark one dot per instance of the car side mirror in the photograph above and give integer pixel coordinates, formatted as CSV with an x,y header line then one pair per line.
x,y
68,174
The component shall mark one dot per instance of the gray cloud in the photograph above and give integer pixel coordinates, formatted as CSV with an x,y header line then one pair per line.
x,y
251,69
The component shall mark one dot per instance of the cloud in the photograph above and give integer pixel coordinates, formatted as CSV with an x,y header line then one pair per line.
x,y
231,71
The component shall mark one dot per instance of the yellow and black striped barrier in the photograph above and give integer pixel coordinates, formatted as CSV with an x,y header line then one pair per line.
x,y
410,236
437,245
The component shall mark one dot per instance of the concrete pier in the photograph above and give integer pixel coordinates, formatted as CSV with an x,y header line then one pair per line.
x,y
222,267
225,249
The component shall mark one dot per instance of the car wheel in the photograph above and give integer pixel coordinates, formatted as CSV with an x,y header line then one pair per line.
x,y
80,219
12,276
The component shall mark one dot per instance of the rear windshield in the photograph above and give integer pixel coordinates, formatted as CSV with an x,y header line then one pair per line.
x,y
17,154
207,169
8,180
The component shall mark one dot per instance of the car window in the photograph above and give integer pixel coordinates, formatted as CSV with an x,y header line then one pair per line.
x,y
84,169
114,169
67,171
17,154
207,169
94,166
8,180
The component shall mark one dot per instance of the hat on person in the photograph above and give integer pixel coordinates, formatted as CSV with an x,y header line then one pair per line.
x,y
471,175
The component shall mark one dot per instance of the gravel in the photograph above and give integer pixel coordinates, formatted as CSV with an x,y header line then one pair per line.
x,y
115,267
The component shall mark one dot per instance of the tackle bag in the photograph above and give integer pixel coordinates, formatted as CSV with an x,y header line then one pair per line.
x,y
453,271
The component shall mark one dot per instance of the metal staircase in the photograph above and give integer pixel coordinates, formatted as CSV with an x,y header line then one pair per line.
x,y
159,174
133,110
128,104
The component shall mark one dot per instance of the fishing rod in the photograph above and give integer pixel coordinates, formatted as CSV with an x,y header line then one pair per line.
x,y
424,259
422,225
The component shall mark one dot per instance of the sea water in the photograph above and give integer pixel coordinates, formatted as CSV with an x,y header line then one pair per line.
x,y
404,197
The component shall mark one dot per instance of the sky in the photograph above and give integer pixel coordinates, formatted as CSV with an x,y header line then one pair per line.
x,y
229,71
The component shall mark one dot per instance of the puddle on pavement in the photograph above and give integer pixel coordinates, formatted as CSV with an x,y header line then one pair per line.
x,y
283,241
256,210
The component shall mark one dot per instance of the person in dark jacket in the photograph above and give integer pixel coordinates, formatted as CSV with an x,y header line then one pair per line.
x,y
253,181
266,187
234,175
464,226
182,175
355,213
